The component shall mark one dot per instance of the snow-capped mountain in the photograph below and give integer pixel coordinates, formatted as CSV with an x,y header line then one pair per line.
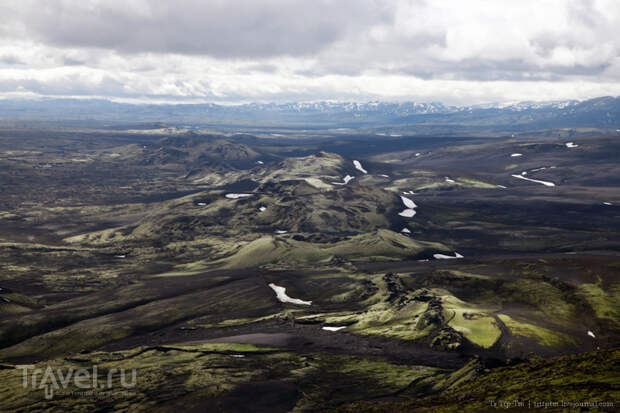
x,y
603,112
327,107
527,105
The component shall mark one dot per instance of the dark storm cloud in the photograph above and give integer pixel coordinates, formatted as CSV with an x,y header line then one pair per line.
x,y
220,28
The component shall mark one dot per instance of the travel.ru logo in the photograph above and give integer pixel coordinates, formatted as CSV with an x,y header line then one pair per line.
x,y
50,380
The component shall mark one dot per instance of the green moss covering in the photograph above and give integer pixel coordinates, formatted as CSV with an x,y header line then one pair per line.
x,y
381,245
473,322
585,377
543,336
549,300
605,303
206,375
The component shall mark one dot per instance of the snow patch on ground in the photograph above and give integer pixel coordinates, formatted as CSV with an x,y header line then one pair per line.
x,y
201,204
237,196
410,205
345,180
358,166
262,209
607,203
591,334
545,183
282,297
516,155
333,328
449,180
408,202
447,257
571,145
280,231
407,213
405,231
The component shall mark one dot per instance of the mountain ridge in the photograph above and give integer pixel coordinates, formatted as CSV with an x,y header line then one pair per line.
x,y
598,112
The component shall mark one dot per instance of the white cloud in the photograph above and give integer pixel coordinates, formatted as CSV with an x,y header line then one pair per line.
x,y
275,50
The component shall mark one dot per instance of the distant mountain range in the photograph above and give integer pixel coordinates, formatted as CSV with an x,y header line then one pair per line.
x,y
603,112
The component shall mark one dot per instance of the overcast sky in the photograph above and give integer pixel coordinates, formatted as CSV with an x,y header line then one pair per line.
x,y
456,52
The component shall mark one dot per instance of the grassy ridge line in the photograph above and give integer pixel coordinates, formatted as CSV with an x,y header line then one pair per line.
x,y
585,377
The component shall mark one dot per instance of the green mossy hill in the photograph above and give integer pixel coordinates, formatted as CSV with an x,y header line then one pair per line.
x,y
319,164
187,150
433,316
299,207
586,377
294,206
219,377
380,245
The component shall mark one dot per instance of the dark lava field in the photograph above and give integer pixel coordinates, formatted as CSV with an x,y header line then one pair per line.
x,y
297,270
